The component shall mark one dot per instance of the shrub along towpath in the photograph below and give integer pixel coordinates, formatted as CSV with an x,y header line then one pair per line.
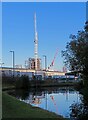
x,y
13,108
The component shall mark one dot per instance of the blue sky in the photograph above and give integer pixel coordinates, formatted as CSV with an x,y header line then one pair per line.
x,y
55,22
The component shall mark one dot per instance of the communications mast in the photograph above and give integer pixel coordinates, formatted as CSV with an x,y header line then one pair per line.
x,y
35,42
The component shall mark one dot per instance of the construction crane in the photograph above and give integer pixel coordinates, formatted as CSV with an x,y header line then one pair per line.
x,y
52,63
53,100
36,43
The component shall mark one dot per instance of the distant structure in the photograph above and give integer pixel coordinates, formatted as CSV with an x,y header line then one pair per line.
x,y
32,63
18,66
36,44
64,69
26,64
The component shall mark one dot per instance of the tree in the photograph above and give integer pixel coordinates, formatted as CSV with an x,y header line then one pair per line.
x,y
79,111
76,53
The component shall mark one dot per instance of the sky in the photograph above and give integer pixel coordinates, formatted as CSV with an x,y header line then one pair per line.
x,y
55,22
0,32
44,0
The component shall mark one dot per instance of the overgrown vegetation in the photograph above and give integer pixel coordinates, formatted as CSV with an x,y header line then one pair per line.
x,y
24,82
8,81
79,111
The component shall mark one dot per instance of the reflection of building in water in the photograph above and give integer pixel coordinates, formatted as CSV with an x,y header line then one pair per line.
x,y
36,101
67,94
37,98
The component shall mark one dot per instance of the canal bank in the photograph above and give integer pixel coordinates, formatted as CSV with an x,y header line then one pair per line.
x,y
53,99
47,88
40,85
13,108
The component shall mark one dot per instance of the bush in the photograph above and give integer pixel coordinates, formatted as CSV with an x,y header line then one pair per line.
x,y
79,111
8,80
23,82
79,85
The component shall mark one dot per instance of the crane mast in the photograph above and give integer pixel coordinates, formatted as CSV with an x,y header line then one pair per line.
x,y
35,42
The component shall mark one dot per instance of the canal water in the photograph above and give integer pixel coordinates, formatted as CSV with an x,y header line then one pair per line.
x,y
57,100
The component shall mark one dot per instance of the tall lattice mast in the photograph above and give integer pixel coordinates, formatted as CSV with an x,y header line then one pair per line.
x,y
36,42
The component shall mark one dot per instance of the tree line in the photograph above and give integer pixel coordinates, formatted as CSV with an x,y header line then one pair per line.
x,y
76,53
76,59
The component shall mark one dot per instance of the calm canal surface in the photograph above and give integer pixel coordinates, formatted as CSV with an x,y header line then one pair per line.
x,y
57,99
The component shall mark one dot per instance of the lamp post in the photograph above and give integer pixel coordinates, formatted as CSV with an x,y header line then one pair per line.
x,y
1,64
45,61
13,61
45,75
45,66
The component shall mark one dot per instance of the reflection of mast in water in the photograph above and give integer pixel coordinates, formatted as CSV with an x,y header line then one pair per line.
x,y
46,99
77,96
67,93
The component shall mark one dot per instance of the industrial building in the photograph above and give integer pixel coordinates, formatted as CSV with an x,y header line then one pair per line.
x,y
31,63
6,71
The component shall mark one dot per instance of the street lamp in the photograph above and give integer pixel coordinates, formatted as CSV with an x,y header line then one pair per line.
x,y
13,60
45,61
1,64
45,65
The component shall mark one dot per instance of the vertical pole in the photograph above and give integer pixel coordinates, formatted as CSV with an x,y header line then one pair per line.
x,y
36,43
45,66
45,62
1,64
13,61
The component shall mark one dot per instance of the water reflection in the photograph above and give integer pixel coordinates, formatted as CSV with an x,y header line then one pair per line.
x,y
57,100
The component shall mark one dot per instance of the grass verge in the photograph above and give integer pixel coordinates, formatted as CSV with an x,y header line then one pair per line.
x,y
13,108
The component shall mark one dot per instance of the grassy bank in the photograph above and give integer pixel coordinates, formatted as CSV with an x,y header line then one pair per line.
x,y
13,108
